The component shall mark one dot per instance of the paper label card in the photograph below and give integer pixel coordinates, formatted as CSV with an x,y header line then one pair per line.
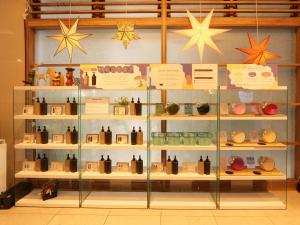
x,y
184,76
57,166
188,167
99,105
91,166
157,167
252,76
113,76
122,166
28,165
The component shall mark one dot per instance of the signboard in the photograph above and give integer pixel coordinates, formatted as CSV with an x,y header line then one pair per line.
x,y
114,76
183,76
252,76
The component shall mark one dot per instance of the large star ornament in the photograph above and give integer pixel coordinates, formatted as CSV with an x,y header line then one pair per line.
x,y
126,34
201,34
258,54
69,39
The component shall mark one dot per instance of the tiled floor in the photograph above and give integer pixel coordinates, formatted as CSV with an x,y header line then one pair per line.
x,y
65,216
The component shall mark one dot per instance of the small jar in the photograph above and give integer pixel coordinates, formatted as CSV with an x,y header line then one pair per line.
x,y
158,138
190,138
204,138
174,138
159,109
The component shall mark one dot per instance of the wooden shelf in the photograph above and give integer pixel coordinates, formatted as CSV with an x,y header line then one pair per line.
x,y
47,175
45,88
182,176
184,147
247,174
114,176
247,146
208,117
179,200
46,117
49,146
112,117
63,199
114,147
115,200
251,200
254,117
279,88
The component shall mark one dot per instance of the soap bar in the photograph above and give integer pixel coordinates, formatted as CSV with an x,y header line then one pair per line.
x,y
266,163
268,136
238,109
224,108
238,137
237,163
270,109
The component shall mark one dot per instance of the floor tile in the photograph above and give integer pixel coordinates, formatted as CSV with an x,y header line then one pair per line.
x,y
187,213
285,220
25,219
187,220
133,220
83,211
30,210
78,220
134,212
243,221
237,213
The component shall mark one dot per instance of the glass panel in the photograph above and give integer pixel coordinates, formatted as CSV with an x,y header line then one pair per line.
x,y
41,146
253,157
120,182
191,133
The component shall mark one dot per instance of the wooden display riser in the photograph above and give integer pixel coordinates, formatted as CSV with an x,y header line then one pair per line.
x,y
260,200
247,174
115,200
251,146
178,200
63,199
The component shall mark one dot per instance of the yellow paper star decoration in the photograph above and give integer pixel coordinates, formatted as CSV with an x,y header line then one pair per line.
x,y
69,39
258,54
126,34
201,34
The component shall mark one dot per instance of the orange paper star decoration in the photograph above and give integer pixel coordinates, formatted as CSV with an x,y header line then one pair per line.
x,y
258,53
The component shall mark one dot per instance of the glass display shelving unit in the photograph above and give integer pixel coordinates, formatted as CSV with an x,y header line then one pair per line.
x,y
186,135
120,188
253,186
56,121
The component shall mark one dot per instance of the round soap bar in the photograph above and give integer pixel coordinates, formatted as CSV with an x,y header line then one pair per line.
x,y
238,109
203,109
266,163
270,109
255,108
268,136
237,163
238,136
173,108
